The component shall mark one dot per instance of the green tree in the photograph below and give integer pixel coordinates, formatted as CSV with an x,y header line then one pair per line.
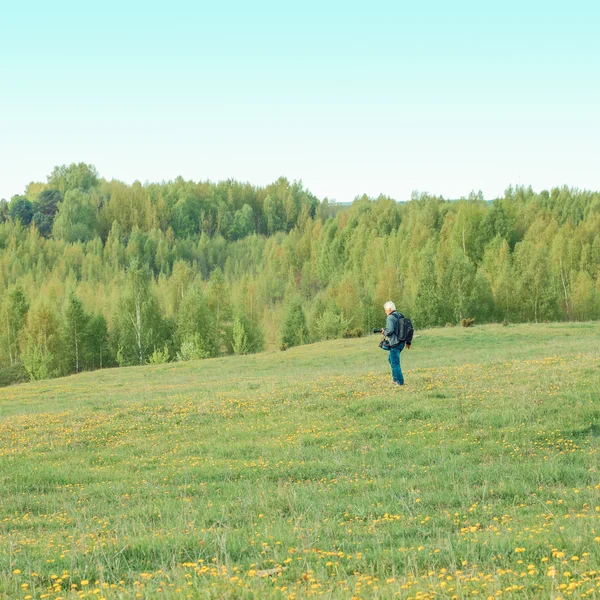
x,y
467,231
294,331
3,211
243,222
139,324
498,269
584,297
496,222
159,357
76,219
538,297
331,324
196,328
179,282
246,334
98,346
41,345
427,310
114,250
274,214
13,312
185,217
218,300
45,209
481,303
371,314
458,285
75,330
562,265
240,338
20,209
73,177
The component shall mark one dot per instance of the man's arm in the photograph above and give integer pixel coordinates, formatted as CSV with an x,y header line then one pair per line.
x,y
390,325
409,339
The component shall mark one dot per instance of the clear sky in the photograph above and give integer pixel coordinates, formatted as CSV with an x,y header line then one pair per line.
x,y
350,97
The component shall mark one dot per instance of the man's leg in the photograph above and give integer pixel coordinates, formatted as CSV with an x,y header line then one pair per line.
x,y
395,363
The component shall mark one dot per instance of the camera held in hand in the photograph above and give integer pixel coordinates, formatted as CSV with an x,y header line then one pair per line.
x,y
384,344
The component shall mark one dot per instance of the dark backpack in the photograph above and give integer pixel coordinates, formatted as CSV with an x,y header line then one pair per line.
x,y
404,329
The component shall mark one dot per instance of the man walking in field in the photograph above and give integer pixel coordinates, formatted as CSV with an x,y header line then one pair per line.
x,y
399,333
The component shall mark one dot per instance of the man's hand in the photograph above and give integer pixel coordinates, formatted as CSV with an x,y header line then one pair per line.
x,y
382,330
408,346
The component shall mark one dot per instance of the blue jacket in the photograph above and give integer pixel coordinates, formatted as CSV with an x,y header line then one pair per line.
x,y
390,329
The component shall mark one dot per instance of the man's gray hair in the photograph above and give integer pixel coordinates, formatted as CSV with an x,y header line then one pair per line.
x,y
389,305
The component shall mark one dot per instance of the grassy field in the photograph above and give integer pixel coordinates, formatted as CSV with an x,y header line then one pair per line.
x,y
305,473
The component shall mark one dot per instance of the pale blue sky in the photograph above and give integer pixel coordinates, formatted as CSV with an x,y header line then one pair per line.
x,y
350,97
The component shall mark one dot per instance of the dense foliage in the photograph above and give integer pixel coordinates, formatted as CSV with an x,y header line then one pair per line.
x,y
96,273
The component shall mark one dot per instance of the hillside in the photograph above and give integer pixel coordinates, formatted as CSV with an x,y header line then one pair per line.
x,y
96,273
304,473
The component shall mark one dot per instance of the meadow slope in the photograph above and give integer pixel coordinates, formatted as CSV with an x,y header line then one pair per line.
x,y
305,473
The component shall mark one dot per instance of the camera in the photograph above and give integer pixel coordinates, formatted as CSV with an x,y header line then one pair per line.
x,y
376,330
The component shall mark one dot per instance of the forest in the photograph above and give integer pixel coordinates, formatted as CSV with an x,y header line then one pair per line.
x,y
97,273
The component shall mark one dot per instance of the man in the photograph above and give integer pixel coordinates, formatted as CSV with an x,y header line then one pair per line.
x,y
396,346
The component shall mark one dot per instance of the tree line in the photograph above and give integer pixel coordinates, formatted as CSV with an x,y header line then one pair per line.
x,y
97,273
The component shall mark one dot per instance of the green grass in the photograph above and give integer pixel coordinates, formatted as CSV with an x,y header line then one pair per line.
x,y
304,473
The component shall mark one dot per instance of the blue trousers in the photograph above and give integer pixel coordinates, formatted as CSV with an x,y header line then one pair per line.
x,y
394,360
